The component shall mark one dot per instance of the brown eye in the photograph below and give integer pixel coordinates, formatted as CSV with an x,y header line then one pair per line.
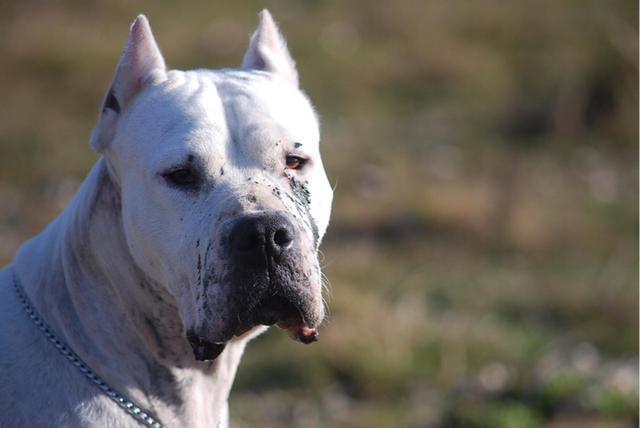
x,y
183,177
295,162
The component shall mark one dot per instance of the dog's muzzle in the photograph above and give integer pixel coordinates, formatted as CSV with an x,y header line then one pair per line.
x,y
267,285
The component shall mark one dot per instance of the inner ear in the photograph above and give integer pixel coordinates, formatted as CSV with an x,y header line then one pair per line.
x,y
111,102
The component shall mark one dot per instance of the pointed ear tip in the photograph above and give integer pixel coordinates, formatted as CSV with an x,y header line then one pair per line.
x,y
141,18
265,15
140,23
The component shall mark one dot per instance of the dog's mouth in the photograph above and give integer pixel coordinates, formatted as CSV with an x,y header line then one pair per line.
x,y
276,310
281,311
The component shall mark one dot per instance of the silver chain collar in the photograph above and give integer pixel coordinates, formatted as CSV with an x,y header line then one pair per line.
x,y
129,406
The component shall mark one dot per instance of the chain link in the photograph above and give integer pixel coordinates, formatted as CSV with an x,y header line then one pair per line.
x,y
134,410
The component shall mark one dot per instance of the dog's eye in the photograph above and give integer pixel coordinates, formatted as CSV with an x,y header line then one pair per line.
x,y
183,177
295,162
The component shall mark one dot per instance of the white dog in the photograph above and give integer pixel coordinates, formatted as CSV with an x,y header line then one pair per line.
x,y
197,227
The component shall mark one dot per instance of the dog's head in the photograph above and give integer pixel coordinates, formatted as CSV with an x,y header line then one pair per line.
x,y
224,196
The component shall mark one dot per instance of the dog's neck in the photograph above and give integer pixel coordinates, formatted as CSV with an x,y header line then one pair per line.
x,y
122,324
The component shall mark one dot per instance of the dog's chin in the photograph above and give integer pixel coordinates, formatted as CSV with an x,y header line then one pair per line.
x,y
275,310
285,314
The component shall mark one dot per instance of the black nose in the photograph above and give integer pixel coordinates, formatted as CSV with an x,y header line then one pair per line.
x,y
258,233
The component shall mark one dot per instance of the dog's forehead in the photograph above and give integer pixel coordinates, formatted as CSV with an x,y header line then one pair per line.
x,y
210,110
262,106
181,113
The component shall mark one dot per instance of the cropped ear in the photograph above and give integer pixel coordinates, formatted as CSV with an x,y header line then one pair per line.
x,y
141,64
268,50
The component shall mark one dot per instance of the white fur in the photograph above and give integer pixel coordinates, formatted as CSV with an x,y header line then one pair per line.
x,y
114,274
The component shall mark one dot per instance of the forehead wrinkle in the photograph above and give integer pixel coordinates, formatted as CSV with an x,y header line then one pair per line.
x,y
235,132
195,98
241,150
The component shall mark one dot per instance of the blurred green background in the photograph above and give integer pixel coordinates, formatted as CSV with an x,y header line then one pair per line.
x,y
483,252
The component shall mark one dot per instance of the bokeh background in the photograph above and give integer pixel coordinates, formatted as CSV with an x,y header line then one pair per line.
x,y
483,252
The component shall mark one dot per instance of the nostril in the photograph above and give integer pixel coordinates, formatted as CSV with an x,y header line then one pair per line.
x,y
282,238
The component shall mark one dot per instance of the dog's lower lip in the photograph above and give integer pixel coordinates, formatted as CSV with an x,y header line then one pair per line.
x,y
204,350
274,309
300,331
282,311
306,334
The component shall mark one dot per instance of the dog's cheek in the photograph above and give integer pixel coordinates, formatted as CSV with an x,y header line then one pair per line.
x,y
214,308
139,245
188,312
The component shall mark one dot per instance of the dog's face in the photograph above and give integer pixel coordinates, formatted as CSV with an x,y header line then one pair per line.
x,y
224,196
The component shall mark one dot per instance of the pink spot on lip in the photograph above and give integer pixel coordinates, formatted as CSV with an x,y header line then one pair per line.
x,y
299,331
306,334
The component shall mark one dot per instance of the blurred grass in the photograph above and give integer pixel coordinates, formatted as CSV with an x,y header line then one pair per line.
x,y
483,253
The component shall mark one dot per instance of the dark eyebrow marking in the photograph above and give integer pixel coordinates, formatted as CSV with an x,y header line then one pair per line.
x,y
297,145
